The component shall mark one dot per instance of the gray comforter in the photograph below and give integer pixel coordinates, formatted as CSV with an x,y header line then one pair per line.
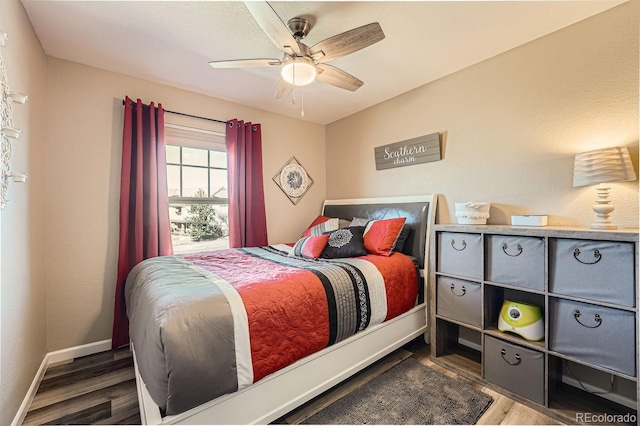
x,y
209,324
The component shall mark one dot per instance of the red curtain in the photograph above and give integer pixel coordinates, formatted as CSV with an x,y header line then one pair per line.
x,y
144,207
247,217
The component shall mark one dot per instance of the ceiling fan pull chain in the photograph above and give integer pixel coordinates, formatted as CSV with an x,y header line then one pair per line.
x,y
302,95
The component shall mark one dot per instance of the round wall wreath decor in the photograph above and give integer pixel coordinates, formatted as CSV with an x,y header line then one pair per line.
x,y
293,180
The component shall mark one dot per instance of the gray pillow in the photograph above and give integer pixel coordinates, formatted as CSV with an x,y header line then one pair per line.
x,y
343,223
358,221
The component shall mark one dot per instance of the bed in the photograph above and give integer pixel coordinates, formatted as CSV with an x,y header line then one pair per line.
x,y
265,388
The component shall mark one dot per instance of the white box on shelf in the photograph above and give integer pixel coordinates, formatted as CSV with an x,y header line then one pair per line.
x,y
472,213
529,220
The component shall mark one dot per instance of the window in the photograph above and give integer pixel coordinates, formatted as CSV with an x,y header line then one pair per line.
x,y
197,189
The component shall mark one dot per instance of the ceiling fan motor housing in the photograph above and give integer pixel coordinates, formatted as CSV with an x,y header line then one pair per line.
x,y
299,27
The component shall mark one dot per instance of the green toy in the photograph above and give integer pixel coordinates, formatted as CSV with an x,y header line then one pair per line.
x,y
523,319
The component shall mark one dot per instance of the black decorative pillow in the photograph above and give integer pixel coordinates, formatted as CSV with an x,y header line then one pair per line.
x,y
402,238
345,242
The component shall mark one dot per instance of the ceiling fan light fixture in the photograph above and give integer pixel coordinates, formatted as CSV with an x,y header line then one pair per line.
x,y
299,71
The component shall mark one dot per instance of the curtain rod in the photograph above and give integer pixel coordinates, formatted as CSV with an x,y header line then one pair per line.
x,y
183,114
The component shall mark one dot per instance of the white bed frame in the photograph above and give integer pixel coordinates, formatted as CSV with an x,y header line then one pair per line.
x,y
281,392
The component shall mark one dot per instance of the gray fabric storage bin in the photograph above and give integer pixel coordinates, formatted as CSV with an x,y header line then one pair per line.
x,y
592,333
459,300
460,254
596,270
516,261
515,368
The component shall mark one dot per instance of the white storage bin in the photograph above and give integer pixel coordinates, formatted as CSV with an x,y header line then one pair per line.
x,y
529,220
472,213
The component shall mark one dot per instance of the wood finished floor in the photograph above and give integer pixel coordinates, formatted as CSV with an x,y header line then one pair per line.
x,y
95,389
100,389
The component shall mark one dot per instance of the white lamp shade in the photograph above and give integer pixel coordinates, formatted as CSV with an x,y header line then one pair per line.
x,y
603,166
298,71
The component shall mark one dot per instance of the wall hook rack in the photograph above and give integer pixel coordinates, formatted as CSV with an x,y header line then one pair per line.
x,y
7,130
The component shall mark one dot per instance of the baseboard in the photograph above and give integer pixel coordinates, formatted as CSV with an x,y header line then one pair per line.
x,y
50,358
615,397
31,393
468,343
78,351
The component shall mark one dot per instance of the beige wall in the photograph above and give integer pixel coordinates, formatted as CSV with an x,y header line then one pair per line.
x,y
22,282
511,127
83,175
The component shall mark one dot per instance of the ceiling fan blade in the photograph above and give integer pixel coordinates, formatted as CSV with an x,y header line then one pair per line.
x,y
348,42
245,63
283,90
336,77
273,26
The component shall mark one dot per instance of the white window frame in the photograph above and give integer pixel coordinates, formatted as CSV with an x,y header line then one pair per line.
x,y
211,138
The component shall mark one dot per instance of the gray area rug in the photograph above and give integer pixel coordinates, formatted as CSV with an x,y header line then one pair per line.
x,y
408,393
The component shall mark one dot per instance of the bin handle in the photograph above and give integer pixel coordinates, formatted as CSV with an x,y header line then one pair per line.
x,y
518,247
596,254
452,288
596,317
464,245
503,352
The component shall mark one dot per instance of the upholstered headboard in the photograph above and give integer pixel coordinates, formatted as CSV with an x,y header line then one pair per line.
x,y
418,209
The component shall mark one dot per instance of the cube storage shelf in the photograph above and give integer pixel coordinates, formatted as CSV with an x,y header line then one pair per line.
x,y
586,284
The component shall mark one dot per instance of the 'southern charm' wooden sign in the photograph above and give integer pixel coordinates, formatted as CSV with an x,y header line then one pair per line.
x,y
422,149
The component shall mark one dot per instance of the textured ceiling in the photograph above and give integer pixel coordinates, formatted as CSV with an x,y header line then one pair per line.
x,y
171,42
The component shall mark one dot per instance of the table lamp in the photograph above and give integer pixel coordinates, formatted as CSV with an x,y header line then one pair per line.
x,y
601,167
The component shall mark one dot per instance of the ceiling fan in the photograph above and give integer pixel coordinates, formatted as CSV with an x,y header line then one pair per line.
x,y
301,64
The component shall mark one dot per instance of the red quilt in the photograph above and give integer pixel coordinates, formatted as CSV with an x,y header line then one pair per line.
x,y
214,322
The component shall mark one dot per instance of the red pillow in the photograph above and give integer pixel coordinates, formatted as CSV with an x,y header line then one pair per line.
x,y
310,247
320,225
380,236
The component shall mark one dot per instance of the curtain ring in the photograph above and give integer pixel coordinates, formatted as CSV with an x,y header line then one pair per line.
x,y
254,128
230,123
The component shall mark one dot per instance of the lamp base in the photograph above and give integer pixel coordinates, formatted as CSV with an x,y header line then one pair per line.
x,y
597,225
603,209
